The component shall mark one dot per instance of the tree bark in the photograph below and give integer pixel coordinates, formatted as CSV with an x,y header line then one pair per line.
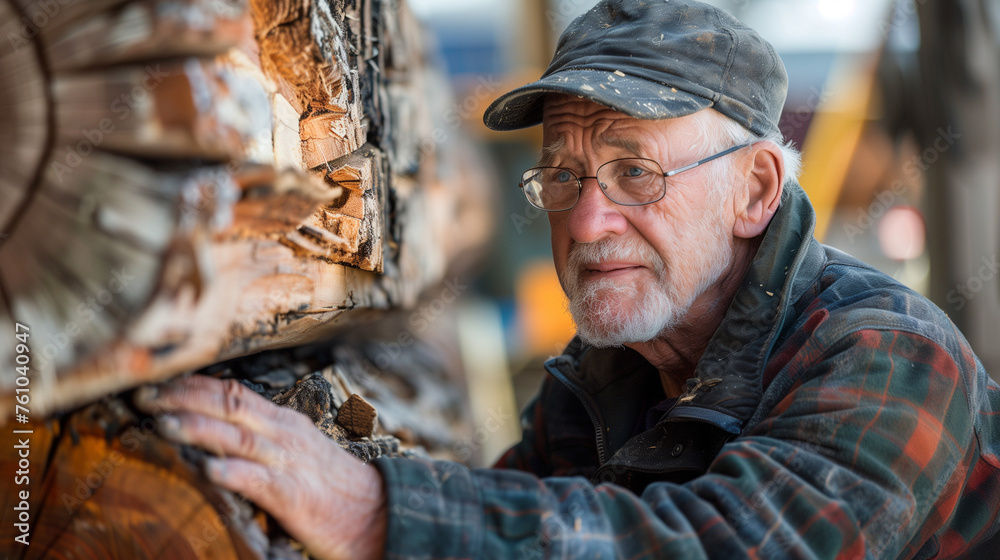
x,y
188,181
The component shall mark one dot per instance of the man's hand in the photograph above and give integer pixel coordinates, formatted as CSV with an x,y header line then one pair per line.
x,y
325,498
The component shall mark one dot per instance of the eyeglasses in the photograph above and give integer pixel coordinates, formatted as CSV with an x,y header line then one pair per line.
x,y
626,181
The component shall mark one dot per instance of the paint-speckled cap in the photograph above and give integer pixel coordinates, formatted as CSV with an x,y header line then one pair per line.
x,y
657,59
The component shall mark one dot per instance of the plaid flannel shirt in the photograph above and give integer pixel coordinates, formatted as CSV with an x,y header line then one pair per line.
x,y
834,414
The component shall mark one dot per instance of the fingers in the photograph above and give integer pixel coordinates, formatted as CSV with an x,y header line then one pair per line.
x,y
276,458
225,418
254,481
226,439
226,400
335,516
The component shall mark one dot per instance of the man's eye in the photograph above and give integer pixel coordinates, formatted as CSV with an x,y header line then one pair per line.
x,y
635,172
564,176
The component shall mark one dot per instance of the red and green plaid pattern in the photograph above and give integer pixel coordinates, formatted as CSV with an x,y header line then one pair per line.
x,y
875,434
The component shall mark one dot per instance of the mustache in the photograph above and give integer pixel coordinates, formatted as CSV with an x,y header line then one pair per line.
x,y
583,254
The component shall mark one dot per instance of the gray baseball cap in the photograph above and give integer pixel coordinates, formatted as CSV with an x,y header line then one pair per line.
x,y
657,59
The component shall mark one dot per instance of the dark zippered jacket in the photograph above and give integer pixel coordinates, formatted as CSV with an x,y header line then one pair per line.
x,y
834,414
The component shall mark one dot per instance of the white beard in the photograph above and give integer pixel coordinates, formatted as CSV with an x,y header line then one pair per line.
x,y
609,312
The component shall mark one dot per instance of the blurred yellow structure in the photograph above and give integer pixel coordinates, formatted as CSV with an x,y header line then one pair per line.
x,y
835,136
544,321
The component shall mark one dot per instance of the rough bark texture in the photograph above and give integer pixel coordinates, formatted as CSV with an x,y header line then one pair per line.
x,y
187,183
103,484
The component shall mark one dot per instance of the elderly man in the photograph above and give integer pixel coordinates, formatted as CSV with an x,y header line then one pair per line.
x,y
737,390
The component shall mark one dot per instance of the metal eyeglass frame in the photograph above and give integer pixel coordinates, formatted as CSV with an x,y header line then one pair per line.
x,y
671,173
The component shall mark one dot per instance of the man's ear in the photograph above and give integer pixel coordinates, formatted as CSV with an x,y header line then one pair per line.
x,y
761,194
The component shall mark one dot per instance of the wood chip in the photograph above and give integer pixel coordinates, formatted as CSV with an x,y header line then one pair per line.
x,y
357,416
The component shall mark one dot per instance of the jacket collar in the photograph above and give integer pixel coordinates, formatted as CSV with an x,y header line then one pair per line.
x,y
727,385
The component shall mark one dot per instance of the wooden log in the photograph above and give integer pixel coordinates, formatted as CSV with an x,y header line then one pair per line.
x,y
149,30
24,142
194,180
101,483
158,110
89,495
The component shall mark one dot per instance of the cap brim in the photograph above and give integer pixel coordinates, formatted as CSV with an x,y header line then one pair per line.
x,y
636,97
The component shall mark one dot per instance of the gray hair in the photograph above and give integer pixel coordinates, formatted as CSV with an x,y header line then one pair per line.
x,y
721,132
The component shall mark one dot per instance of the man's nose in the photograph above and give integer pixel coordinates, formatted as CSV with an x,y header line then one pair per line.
x,y
595,215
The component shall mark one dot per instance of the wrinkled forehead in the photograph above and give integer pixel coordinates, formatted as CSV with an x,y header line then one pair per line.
x,y
557,105
559,109
569,115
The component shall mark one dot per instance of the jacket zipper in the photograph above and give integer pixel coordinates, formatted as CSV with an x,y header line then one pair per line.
x,y
590,407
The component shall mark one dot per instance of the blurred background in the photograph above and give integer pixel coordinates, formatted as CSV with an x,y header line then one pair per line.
x,y
895,105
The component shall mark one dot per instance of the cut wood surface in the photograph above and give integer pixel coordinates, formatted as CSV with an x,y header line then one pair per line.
x,y
101,483
255,190
183,182
108,487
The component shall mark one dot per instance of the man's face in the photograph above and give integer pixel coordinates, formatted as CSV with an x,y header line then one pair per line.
x,y
634,272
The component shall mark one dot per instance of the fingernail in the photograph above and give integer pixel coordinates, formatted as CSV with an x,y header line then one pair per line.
x,y
215,469
144,396
169,425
